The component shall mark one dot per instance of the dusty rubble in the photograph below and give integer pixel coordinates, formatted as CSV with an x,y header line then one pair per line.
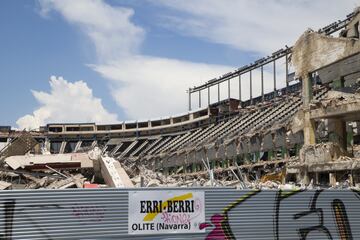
x,y
95,168
60,171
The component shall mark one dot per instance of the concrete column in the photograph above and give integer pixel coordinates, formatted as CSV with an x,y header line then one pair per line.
x,y
332,179
208,92
257,156
62,147
316,178
47,145
199,98
309,125
284,152
351,180
93,144
337,132
306,90
309,129
305,176
258,174
270,155
189,99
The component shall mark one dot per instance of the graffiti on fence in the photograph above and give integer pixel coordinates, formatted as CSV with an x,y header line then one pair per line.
x,y
88,212
10,211
301,214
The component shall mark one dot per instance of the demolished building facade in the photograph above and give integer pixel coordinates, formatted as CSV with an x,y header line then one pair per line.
x,y
307,132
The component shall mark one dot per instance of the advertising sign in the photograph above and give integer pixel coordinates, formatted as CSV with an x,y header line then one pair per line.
x,y
166,211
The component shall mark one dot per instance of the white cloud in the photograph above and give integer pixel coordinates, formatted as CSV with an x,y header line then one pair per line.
x,y
109,28
146,86
143,86
66,102
154,87
257,25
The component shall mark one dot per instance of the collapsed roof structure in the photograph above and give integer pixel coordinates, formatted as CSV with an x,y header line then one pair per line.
x,y
307,132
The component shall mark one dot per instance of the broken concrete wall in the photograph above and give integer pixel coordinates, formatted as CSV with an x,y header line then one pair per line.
x,y
297,138
352,28
19,146
58,161
220,154
191,157
211,151
255,143
321,153
346,69
243,145
313,51
280,138
267,143
113,174
231,150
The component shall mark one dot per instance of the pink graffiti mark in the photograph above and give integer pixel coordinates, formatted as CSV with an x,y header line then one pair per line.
x,y
197,207
90,213
222,228
218,232
178,218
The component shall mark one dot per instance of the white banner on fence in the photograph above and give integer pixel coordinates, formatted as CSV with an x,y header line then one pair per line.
x,y
166,211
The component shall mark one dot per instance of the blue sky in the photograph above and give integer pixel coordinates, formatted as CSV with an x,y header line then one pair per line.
x,y
107,61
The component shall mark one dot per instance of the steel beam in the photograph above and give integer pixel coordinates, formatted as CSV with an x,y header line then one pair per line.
x,y
251,100
229,89
331,28
200,99
240,87
262,83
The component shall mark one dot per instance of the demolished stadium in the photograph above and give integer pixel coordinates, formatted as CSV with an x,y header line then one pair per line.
x,y
307,132
209,173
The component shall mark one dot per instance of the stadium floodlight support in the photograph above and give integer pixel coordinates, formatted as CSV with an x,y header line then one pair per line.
x,y
218,92
274,74
189,99
229,89
200,99
239,87
284,52
251,100
208,91
262,83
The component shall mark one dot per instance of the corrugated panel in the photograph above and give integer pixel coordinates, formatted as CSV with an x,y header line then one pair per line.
x,y
230,214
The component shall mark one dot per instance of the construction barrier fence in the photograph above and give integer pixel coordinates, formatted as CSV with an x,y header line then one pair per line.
x,y
180,213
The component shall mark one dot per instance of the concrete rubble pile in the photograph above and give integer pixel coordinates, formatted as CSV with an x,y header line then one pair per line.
x,y
96,169
148,178
91,169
